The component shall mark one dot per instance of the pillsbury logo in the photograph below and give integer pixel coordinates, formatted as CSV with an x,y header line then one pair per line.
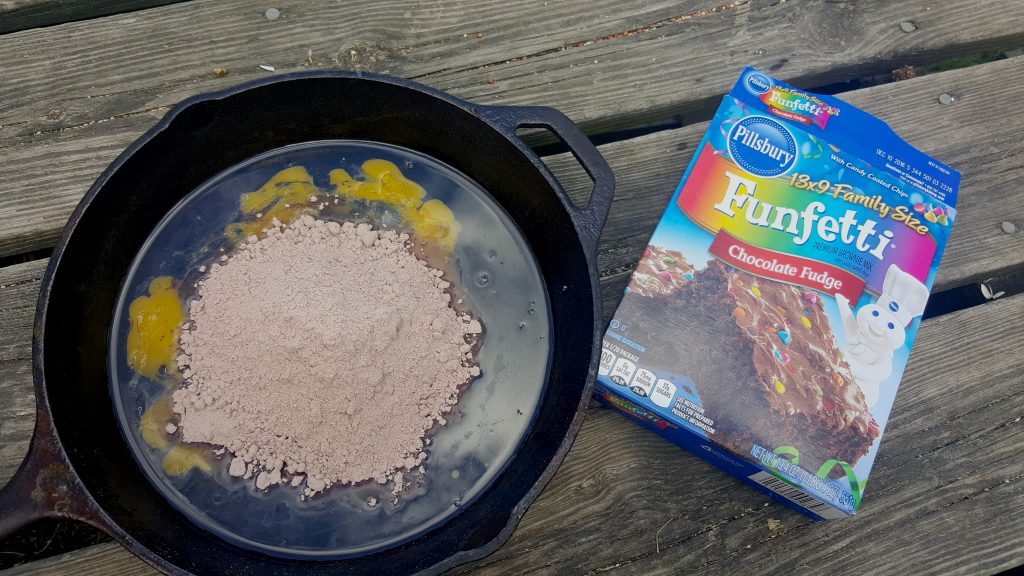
x,y
762,146
758,83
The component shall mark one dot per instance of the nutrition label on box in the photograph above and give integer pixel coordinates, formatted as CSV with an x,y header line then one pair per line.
x,y
643,382
622,371
680,399
607,361
663,393
693,414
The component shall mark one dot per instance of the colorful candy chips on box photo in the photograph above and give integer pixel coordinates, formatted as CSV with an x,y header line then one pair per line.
x,y
769,320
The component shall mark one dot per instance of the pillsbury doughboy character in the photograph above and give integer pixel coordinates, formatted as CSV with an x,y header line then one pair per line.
x,y
880,328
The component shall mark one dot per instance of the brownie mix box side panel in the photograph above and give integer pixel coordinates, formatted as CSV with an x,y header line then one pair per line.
x,y
769,320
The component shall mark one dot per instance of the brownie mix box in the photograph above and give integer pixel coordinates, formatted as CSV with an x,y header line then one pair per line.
x,y
768,323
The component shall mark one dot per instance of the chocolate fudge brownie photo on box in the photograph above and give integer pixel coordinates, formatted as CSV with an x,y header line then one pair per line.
x,y
660,272
765,363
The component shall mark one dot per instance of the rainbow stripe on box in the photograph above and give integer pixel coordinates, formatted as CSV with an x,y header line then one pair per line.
x,y
702,195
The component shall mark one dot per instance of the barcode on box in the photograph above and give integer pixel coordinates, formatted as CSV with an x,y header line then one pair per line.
x,y
790,492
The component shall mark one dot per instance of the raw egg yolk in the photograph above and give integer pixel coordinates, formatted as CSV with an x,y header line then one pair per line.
x,y
431,221
285,197
153,336
180,459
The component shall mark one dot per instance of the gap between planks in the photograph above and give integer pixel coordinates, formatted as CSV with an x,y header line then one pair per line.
x,y
946,481
75,96
985,147
17,15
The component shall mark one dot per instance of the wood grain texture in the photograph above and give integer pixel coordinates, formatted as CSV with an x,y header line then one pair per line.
x,y
984,146
75,95
19,286
108,559
949,475
24,14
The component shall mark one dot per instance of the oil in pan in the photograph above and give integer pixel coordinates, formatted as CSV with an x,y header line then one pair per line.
x,y
494,274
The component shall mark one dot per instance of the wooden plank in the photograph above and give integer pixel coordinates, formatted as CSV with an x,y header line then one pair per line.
x,y
18,15
19,286
17,300
77,94
941,499
942,494
985,146
99,560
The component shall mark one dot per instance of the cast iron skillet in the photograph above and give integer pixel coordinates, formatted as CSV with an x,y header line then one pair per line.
x,y
79,466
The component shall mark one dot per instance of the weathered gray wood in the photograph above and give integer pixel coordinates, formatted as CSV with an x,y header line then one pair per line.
x,y
648,168
108,559
984,146
942,497
609,502
24,14
19,286
77,94
948,474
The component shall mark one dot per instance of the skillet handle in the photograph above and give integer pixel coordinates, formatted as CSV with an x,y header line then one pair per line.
x,y
589,218
44,486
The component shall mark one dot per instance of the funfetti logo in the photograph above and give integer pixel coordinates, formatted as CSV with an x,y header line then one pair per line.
x,y
757,83
762,146
797,106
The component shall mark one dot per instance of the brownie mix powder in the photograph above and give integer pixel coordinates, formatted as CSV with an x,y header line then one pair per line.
x,y
322,353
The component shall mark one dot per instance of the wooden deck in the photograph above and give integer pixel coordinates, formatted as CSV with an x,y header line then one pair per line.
x,y
948,486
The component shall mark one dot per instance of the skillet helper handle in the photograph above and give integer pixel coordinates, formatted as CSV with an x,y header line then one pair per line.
x,y
44,486
590,217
